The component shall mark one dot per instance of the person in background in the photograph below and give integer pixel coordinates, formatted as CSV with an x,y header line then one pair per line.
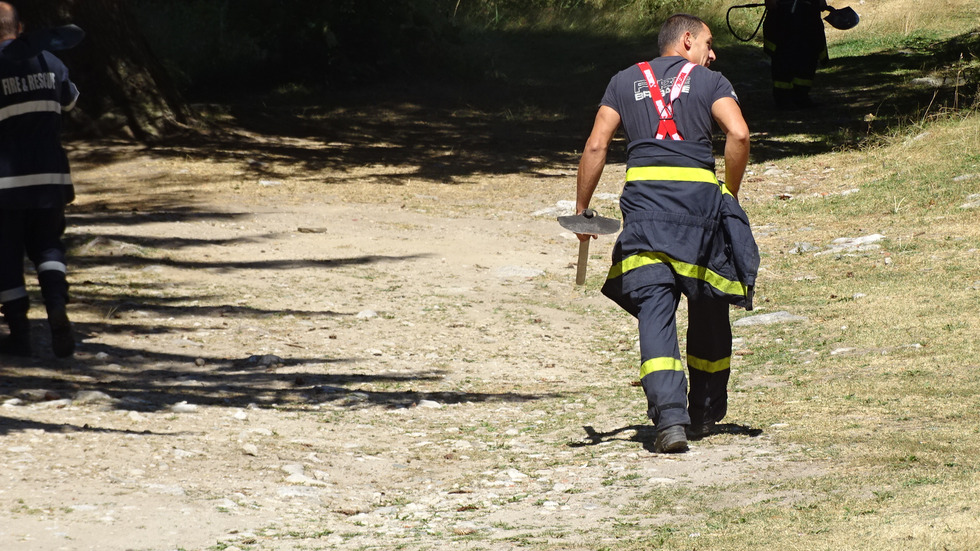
x,y
794,38
35,187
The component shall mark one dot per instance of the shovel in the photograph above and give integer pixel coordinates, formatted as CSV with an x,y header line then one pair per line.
x,y
591,224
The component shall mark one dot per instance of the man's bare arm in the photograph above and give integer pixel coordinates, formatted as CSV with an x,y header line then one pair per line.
x,y
728,115
594,156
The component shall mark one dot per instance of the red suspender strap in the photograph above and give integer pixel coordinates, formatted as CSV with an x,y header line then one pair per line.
x,y
665,110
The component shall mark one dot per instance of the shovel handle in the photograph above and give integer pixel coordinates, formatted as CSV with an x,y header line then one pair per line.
x,y
583,261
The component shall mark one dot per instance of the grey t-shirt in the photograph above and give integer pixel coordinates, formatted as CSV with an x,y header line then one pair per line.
x,y
629,95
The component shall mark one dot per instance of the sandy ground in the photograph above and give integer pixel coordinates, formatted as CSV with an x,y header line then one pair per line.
x,y
282,358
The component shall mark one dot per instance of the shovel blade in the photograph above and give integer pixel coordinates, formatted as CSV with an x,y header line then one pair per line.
x,y
589,223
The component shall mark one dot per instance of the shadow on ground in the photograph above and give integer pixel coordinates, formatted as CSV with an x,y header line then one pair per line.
x,y
646,435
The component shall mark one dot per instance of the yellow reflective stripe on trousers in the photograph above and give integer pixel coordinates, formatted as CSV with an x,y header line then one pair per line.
x,y
668,173
660,364
709,367
693,271
674,174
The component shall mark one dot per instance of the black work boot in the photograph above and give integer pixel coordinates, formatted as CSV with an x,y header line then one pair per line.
x,y
18,342
671,440
62,337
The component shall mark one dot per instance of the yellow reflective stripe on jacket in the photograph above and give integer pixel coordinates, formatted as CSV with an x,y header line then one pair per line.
x,y
674,174
668,173
660,364
693,271
709,367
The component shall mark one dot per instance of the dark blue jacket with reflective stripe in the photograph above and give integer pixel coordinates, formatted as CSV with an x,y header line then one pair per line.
x,y
34,170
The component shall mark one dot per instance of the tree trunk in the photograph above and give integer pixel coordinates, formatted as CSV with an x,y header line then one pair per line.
x,y
123,85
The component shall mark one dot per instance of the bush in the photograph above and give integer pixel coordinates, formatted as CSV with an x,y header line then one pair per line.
x,y
209,43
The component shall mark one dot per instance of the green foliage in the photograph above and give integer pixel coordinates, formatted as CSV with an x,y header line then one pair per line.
x,y
208,43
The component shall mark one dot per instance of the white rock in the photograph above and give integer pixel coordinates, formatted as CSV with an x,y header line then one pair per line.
x,y
367,314
768,319
429,404
298,492
183,454
183,407
91,397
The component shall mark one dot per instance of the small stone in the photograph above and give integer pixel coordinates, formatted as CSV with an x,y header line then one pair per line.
x,y
464,528
102,356
91,397
250,449
183,454
803,248
199,362
367,314
38,395
183,407
429,404
265,360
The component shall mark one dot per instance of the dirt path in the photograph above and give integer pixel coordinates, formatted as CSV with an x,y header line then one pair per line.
x,y
345,360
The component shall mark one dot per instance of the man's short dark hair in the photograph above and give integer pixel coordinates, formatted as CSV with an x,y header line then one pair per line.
x,y
9,20
674,28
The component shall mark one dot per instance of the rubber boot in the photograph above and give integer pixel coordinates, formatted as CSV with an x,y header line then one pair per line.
x,y
54,288
18,342
62,337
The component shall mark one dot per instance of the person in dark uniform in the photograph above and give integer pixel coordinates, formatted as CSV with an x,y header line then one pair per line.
x,y
35,186
796,43
674,209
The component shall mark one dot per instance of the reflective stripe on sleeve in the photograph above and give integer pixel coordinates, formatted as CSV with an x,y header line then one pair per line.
x,y
28,180
39,106
660,364
709,367
693,271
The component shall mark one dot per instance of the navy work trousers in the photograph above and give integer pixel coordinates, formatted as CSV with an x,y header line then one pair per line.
x,y
36,232
709,348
